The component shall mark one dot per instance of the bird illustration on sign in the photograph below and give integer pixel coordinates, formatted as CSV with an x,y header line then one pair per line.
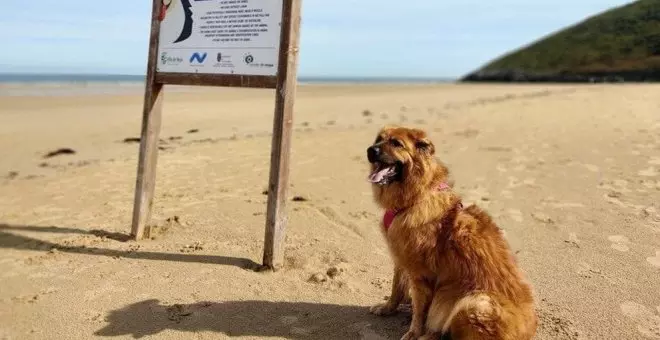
x,y
186,29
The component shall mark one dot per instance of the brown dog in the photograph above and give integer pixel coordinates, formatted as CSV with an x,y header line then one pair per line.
x,y
463,278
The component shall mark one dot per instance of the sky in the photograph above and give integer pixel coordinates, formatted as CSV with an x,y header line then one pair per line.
x,y
339,38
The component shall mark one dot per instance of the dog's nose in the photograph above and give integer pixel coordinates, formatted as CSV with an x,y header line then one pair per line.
x,y
372,153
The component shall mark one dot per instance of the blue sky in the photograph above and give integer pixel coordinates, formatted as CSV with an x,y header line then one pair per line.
x,y
427,38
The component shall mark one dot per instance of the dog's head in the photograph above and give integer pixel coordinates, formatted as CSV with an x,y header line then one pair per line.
x,y
403,166
400,155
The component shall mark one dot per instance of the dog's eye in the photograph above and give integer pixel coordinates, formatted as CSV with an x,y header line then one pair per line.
x,y
425,146
421,145
396,143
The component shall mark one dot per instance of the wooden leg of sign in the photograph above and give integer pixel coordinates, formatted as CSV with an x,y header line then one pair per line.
x,y
146,175
276,218
151,117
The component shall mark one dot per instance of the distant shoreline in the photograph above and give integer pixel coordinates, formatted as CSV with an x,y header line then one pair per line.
x,y
517,76
25,78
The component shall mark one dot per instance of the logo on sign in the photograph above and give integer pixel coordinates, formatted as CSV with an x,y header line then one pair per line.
x,y
166,59
248,59
223,60
198,57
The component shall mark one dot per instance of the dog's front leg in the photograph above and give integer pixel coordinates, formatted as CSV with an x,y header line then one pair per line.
x,y
421,300
399,292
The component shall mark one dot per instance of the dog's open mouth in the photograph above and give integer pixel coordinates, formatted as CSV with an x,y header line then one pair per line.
x,y
383,173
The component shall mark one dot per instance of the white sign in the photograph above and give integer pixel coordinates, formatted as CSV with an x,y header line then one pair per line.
x,y
220,36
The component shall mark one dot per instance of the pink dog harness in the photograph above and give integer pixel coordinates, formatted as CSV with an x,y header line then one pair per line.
x,y
389,215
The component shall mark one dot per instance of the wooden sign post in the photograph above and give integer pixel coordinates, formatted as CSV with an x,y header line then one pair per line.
x,y
236,43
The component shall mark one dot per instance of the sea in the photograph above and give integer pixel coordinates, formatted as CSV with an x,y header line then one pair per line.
x,y
15,84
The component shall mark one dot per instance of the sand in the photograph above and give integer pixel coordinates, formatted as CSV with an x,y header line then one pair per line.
x,y
571,173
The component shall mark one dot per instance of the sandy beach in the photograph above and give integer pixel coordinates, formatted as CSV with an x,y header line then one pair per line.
x,y
570,172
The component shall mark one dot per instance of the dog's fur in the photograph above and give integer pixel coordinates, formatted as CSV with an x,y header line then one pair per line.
x,y
463,278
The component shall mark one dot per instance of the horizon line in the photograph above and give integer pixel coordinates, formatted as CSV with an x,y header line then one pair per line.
x,y
299,76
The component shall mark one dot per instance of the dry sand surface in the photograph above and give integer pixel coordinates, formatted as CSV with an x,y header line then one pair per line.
x,y
571,173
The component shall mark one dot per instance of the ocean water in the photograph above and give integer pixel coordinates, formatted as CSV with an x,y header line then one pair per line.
x,y
68,84
14,78
13,84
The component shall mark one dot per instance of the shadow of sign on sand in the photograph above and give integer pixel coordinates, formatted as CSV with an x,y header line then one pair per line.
x,y
291,320
10,239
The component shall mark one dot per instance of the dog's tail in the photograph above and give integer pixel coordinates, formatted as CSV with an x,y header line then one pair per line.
x,y
479,310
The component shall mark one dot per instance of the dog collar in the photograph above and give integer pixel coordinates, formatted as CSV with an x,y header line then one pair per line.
x,y
388,218
390,214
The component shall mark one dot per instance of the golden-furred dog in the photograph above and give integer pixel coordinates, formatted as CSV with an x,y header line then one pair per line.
x,y
463,279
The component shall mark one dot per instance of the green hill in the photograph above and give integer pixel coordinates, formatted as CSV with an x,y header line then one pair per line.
x,y
622,43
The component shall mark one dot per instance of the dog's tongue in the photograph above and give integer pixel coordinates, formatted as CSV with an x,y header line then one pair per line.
x,y
380,173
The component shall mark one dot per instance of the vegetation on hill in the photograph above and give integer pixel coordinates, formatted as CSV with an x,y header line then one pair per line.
x,y
623,41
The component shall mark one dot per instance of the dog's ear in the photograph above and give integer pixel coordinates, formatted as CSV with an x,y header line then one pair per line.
x,y
425,145
422,142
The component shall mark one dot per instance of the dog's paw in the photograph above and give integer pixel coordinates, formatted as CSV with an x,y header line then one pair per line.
x,y
383,309
410,335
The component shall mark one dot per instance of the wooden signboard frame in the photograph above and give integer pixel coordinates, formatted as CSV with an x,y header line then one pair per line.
x,y
284,83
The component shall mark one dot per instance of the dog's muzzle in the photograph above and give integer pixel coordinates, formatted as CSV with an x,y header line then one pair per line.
x,y
373,154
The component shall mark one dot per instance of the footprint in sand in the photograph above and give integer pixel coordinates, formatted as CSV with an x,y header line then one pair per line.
x,y
617,184
288,320
649,172
619,242
299,331
506,194
334,217
516,215
104,290
366,332
586,271
621,183
530,182
654,260
591,167
4,335
650,212
573,240
543,218
650,184
648,322
555,203
613,197
479,194
515,182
